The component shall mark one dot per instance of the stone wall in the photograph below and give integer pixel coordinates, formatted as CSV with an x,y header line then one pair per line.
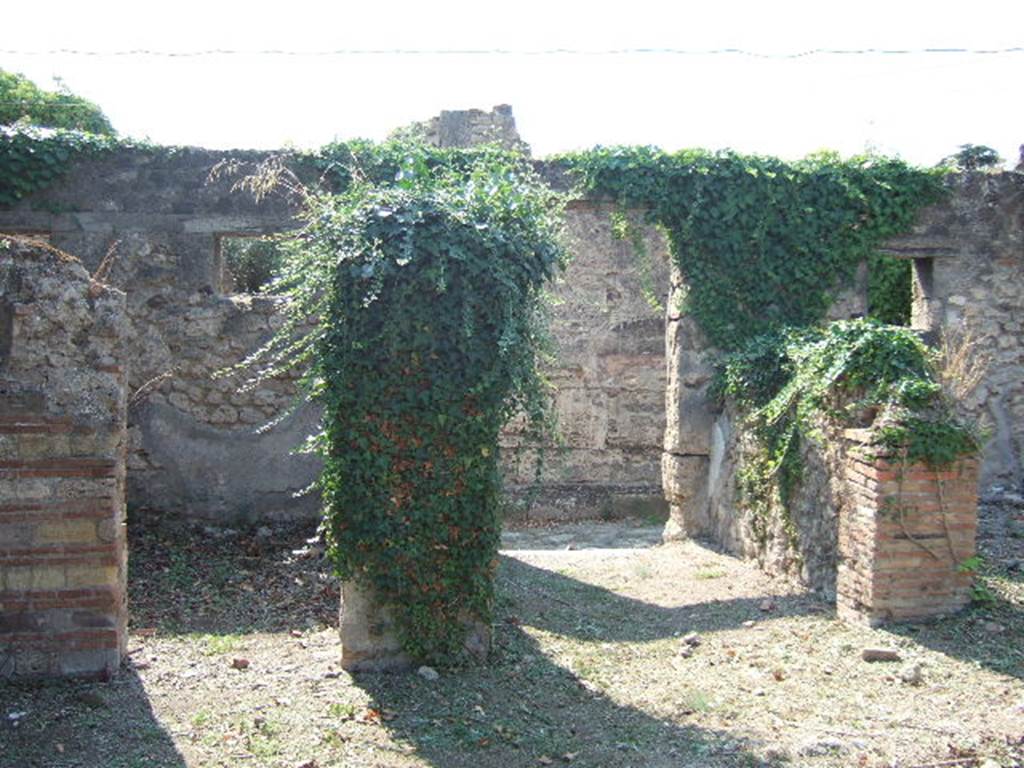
x,y
968,258
62,466
609,373
156,217
703,450
968,263
467,127
194,447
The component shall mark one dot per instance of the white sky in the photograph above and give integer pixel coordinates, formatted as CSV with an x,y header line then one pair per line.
x,y
920,107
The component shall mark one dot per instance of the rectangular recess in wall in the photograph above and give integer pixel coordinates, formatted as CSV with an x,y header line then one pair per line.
x,y
922,315
246,263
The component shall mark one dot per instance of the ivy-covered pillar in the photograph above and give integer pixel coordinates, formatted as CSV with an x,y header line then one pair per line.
x,y
426,286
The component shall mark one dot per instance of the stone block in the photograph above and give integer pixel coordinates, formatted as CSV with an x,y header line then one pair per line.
x,y
369,642
685,483
92,576
690,417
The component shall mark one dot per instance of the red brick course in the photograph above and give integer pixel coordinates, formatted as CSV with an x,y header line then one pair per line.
x,y
904,532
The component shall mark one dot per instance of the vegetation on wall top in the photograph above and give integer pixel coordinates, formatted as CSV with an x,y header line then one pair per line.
x,y
762,244
424,278
32,158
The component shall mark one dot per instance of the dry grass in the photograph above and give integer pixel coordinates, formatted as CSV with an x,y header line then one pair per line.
x,y
590,669
962,363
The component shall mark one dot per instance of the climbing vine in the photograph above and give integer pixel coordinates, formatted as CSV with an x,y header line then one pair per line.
x,y
424,274
848,373
763,246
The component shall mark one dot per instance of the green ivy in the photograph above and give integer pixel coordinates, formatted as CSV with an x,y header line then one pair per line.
x,y
32,158
889,289
425,275
762,244
845,373
253,263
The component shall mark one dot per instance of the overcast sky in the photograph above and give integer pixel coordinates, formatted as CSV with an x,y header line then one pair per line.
x,y
920,106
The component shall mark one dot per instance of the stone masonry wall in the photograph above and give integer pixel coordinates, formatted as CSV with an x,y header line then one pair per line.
x,y
703,449
968,261
62,466
968,255
193,442
610,378
193,446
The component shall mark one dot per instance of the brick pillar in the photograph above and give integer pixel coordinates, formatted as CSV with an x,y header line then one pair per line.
x,y
62,469
903,533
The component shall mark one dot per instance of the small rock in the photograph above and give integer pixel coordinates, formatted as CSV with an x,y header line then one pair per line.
x,y
1015,565
691,638
819,747
15,716
912,674
686,651
240,663
308,764
759,692
993,627
296,633
880,654
767,605
264,532
749,624
428,673
570,546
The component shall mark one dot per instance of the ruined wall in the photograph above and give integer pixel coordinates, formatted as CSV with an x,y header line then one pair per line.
x,y
968,263
904,532
703,450
610,377
194,449
62,469
467,127
968,257
156,214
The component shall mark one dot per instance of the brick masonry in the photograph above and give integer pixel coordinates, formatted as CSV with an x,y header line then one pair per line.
x,y
904,532
62,468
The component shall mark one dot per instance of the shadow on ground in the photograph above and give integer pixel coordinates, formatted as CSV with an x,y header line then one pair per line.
x,y
990,633
524,709
83,725
185,578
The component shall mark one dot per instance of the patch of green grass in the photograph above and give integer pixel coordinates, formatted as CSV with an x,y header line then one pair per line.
x,y
695,700
342,710
215,645
201,718
262,737
708,573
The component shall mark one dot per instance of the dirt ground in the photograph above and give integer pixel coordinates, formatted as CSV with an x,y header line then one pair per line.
x,y
610,650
